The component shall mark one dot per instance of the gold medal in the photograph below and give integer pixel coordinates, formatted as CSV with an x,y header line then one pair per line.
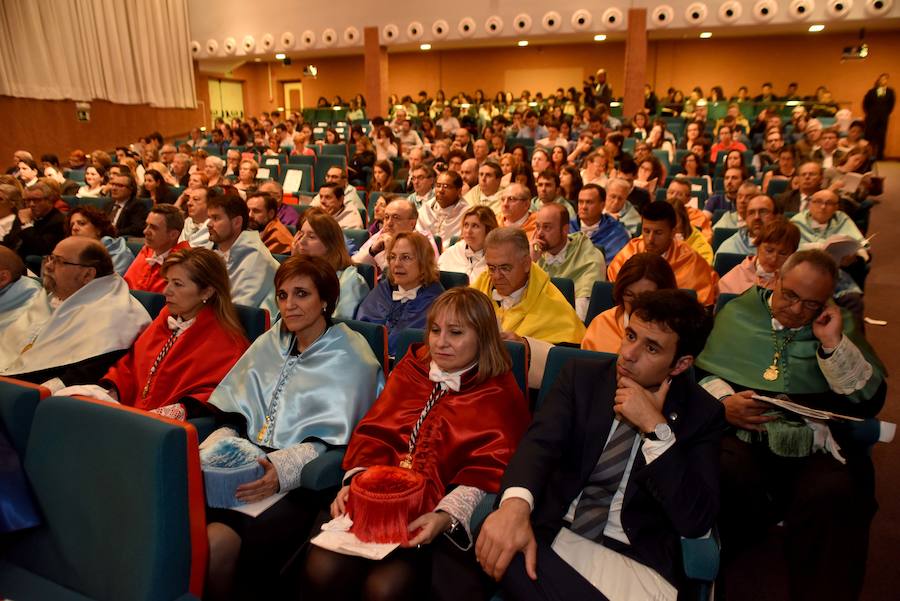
x,y
771,373
262,432
407,462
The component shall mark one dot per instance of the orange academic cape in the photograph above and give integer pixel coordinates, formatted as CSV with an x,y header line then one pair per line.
x,y
193,367
691,270
467,439
605,332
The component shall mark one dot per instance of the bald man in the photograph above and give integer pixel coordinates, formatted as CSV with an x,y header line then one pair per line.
x,y
16,289
84,322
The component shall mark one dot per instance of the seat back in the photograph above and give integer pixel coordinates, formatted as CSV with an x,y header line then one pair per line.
x,y
720,235
325,162
306,180
135,245
776,186
725,262
334,150
601,300
376,335
137,528
723,299
254,320
368,273
153,302
453,279
567,287
18,400
556,359
358,237
518,354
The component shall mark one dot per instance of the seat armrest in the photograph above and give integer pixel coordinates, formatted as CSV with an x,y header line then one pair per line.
x,y
324,471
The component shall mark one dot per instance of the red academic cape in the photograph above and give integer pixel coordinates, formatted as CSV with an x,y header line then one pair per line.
x,y
467,439
193,367
144,276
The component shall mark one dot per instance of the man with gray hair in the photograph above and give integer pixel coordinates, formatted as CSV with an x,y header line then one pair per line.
x,y
735,218
776,466
10,226
181,168
42,223
80,327
400,215
618,206
527,304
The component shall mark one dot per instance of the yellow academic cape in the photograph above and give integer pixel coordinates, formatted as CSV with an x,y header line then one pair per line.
x,y
691,270
542,313
605,333
700,246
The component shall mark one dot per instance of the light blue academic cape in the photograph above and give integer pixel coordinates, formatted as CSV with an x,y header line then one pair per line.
x,y
121,255
14,298
353,290
319,394
738,244
251,270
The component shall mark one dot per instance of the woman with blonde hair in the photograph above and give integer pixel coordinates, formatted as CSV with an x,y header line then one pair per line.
x,y
452,414
319,235
182,356
401,299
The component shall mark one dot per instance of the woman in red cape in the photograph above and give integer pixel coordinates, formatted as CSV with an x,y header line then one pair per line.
x,y
190,346
474,415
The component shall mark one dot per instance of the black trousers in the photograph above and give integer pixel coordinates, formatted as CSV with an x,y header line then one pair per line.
x,y
556,580
826,508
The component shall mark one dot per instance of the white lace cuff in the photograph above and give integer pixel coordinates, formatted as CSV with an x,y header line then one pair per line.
x,y
289,463
846,370
461,503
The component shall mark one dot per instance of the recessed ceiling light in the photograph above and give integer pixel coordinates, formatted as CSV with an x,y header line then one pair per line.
x,y
600,37
705,35
523,43
816,28
424,46
257,60
281,56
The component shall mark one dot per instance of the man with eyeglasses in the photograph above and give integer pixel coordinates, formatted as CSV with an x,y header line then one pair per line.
x,y
515,209
43,225
761,210
422,185
126,211
808,181
528,306
84,322
769,156
776,466
400,215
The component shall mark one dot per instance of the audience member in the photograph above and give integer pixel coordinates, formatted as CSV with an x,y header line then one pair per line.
x,y
467,255
604,231
761,210
262,209
443,215
161,237
125,210
488,191
777,240
88,222
619,208
16,288
807,182
82,325
42,224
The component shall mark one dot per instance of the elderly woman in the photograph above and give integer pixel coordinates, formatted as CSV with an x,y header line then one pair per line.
x,y
777,241
89,222
246,179
183,355
451,412
300,389
319,235
401,299
94,181
644,272
467,255
212,168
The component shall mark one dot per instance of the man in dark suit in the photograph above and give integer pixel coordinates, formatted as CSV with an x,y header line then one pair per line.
x,y
809,181
620,462
126,212
43,226
878,104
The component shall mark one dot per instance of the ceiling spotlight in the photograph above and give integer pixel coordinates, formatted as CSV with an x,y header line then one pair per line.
x,y
522,43
281,56
816,28
600,37
705,35
424,46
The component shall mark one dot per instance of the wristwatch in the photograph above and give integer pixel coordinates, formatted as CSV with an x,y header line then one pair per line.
x,y
661,432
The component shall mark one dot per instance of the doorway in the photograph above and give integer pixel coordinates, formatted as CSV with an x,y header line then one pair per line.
x,y
293,96
226,99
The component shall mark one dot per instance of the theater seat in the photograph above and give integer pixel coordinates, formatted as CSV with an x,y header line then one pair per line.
x,y
254,320
375,334
725,262
720,235
122,503
368,273
601,300
453,279
152,301
567,287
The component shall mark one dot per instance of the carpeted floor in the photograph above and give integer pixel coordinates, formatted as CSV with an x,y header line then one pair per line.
x,y
759,574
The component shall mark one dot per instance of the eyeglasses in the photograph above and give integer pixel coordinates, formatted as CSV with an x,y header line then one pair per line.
x,y
57,260
504,269
792,298
824,203
400,258
395,217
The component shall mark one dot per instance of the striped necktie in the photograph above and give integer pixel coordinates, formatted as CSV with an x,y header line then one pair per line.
x,y
592,510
